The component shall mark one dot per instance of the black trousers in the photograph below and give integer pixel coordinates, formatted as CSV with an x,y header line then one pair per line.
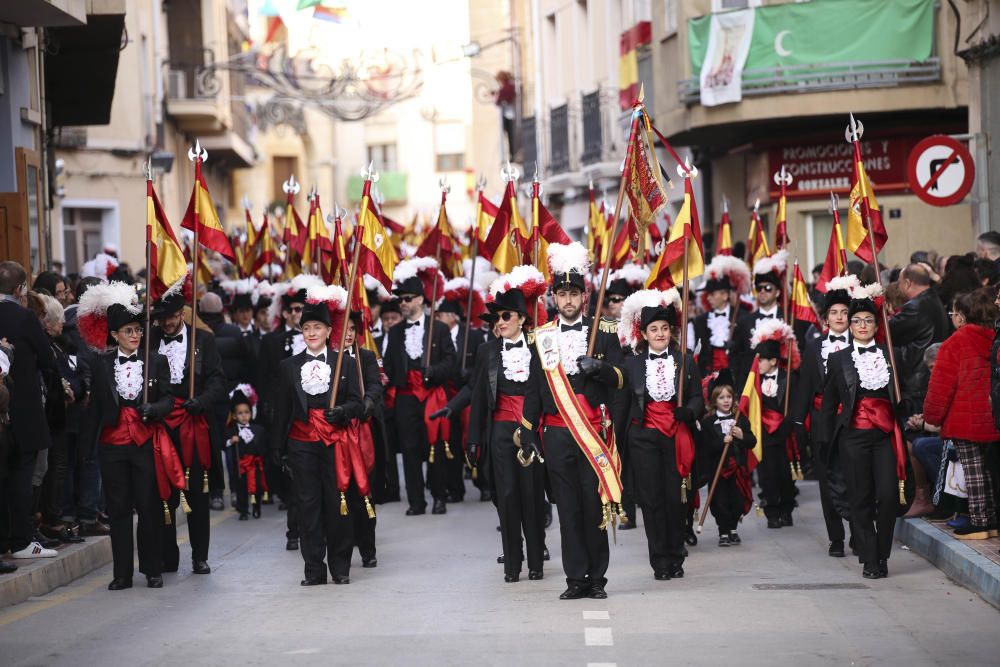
x,y
834,523
16,499
520,494
776,482
238,482
585,551
129,476
412,436
455,478
727,504
869,464
197,520
323,533
658,493
362,528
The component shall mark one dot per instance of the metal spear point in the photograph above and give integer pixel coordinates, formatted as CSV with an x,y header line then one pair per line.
x,y
725,204
147,168
687,170
783,176
855,130
756,206
246,203
834,203
197,153
371,174
481,183
291,186
313,191
509,173
443,184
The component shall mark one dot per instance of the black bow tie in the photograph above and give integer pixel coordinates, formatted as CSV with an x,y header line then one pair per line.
x,y
319,357
511,346
772,376
661,355
572,327
716,313
122,359
167,340
834,339
767,317
414,324
872,348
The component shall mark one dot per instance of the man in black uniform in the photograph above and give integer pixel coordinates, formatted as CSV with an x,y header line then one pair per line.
x,y
389,316
711,332
187,424
768,280
594,380
419,387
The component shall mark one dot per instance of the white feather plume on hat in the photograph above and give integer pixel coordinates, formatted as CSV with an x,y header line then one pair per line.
x,y
776,263
92,311
848,283
630,330
633,274
525,277
733,268
374,284
871,291
305,281
408,268
569,258
770,329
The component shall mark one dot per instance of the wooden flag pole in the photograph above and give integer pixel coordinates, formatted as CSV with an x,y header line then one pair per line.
x,y
480,186
198,155
149,287
711,489
355,259
536,191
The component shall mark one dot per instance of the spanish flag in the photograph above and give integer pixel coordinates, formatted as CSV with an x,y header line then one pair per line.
x,y
503,244
201,215
686,231
863,205
168,268
547,231
267,254
802,308
251,249
836,256
622,249
757,242
628,61
487,214
781,239
597,225
440,243
314,233
724,239
377,255
751,406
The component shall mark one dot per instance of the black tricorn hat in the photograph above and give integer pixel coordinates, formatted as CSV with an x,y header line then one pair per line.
x,y
833,297
618,286
390,306
724,378
569,279
862,306
315,312
412,285
512,300
241,301
720,282
650,314
294,297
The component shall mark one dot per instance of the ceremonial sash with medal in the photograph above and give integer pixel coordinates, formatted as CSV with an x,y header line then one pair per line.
x,y
602,456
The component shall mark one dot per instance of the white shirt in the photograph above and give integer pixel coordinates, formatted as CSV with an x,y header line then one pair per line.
x,y
176,354
454,337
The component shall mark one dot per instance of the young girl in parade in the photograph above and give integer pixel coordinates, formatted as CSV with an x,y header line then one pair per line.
x,y
250,441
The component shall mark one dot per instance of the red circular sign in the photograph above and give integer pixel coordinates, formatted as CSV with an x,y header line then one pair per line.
x,y
940,170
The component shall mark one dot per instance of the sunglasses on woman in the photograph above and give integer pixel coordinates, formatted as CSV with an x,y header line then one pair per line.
x,y
506,315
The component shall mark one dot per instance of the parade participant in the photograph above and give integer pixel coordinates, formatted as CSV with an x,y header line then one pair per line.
x,y
575,424
262,297
710,333
770,342
306,431
186,423
724,424
389,315
418,376
248,443
660,442
241,306
768,281
857,425
121,417
513,471
808,396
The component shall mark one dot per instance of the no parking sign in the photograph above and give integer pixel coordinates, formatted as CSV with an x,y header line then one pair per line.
x,y
940,170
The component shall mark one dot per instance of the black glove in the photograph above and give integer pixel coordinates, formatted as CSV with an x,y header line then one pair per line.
x,y
465,376
337,415
146,411
370,407
589,366
472,452
684,414
443,413
193,406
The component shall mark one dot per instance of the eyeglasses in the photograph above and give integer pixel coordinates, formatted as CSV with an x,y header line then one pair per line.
x,y
615,299
767,288
953,313
407,298
130,331
296,309
506,315
862,321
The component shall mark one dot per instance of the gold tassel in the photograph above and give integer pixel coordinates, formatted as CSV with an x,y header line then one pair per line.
x,y
760,510
902,492
791,466
684,492
266,497
187,478
368,506
430,457
605,517
447,451
184,504
343,504
253,499
204,481
802,476
166,513
475,473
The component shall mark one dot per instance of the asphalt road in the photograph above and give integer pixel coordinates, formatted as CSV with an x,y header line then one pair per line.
x,y
438,598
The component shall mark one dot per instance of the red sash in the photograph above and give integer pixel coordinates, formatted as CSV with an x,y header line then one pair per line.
x,y
434,399
771,420
720,358
733,469
593,415
509,408
130,430
193,430
876,413
660,416
317,429
250,465
355,457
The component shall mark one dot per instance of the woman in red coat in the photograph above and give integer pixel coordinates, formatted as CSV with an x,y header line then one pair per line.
x,y
958,400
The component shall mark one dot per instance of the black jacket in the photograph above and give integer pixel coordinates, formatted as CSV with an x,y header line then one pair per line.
x,y
713,442
476,338
209,380
397,362
32,352
841,389
275,347
238,352
810,380
289,399
256,447
635,380
740,351
703,338
921,322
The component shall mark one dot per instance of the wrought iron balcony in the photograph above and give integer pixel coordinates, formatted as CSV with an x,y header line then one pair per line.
x,y
559,139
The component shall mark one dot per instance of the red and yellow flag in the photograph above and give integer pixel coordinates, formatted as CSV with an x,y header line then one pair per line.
x,y
724,239
378,257
686,231
757,248
802,308
643,188
781,239
202,216
547,230
864,207
487,215
167,266
440,244
836,256
252,247
621,250
628,61
752,407
315,233
596,231
268,253
503,244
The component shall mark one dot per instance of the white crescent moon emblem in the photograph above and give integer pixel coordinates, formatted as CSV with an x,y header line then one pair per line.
x,y
778,47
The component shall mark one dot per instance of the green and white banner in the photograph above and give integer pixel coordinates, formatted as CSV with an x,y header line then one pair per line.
x,y
820,32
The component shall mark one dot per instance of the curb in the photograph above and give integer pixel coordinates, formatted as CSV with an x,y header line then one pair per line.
x,y
959,561
39,577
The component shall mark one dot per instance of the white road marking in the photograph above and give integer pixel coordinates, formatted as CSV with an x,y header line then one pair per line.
x,y
595,616
303,651
598,637
602,664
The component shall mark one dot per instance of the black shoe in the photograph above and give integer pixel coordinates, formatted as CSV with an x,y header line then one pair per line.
x,y
853,548
370,563
626,525
676,572
119,584
597,592
292,544
217,504
535,575
454,499
661,576
7,568
723,540
786,519
256,511
836,549
154,582
94,528
734,538
416,511
244,516
511,578
281,508
691,539
574,592
318,581
883,568
500,559
545,553
440,507
200,567
871,572
341,580
484,496
774,523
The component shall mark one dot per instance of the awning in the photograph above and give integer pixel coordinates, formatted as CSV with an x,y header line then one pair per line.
x,y
81,64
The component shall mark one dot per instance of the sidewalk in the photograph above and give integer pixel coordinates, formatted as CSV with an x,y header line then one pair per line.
x,y
39,576
974,564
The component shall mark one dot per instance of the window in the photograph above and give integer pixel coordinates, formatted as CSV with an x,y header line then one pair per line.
x,y
724,5
450,162
82,236
281,169
669,17
384,156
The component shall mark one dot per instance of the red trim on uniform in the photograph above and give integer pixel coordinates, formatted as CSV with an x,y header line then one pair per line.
x,y
660,416
194,434
876,413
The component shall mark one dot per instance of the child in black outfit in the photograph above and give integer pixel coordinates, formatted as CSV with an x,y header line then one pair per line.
x,y
250,441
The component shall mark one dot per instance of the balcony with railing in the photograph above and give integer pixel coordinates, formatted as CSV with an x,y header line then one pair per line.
x,y
559,147
529,142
